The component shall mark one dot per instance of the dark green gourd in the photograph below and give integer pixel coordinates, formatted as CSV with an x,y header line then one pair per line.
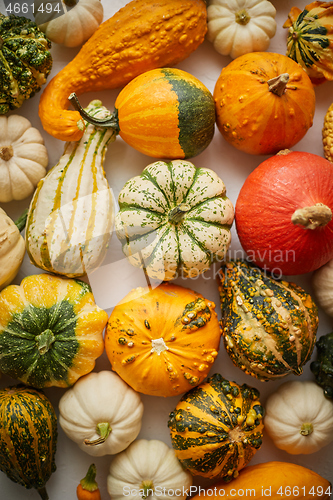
x,y
269,326
28,437
322,368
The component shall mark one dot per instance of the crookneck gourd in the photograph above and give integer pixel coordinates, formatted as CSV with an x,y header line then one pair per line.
x,y
217,427
28,437
70,218
51,330
269,327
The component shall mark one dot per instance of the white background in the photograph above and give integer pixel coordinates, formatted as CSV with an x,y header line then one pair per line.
x,y
113,281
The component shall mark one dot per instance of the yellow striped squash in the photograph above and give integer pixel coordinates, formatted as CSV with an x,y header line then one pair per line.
x,y
71,215
217,427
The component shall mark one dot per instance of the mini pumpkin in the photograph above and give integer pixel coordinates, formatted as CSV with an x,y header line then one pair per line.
x,y
216,428
23,158
237,27
322,283
322,367
299,418
101,413
269,327
68,27
279,91
174,219
162,341
51,330
12,249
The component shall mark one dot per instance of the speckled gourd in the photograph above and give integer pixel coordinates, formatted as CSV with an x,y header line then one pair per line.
x,y
217,427
269,326
328,134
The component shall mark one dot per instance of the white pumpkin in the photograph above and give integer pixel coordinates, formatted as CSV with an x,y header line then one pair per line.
x,y
23,158
74,26
299,418
12,249
147,468
101,413
237,27
322,282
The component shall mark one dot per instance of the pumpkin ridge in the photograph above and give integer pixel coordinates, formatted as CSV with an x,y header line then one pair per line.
x,y
197,172
150,178
188,231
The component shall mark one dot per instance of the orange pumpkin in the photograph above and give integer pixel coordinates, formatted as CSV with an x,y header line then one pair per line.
x,y
163,341
265,102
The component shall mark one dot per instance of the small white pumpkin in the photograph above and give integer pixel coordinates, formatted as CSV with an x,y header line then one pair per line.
x,y
101,413
237,27
73,27
23,158
322,282
299,418
12,249
147,468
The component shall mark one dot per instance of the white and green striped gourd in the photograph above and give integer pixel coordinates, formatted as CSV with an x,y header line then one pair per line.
x,y
71,215
174,219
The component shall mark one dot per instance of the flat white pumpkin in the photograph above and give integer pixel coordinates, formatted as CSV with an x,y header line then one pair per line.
x,y
23,158
147,468
237,27
74,26
174,219
101,413
299,418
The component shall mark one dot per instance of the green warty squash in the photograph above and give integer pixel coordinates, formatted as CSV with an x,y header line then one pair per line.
x,y
174,219
26,61
322,367
269,327
28,437
71,215
217,427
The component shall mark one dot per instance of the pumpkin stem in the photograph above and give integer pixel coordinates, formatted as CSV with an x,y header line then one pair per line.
x,y
103,429
147,487
278,84
89,481
43,493
306,429
6,153
44,341
158,346
242,17
22,220
176,214
110,121
312,217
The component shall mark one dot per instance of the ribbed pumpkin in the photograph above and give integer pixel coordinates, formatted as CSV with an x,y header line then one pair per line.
x,y
265,102
269,327
51,330
216,428
310,39
70,218
163,341
28,437
163,113
174,219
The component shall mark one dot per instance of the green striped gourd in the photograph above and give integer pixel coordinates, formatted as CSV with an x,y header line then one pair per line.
x,y
174,219
28,437
310,39
216,428
269,327
71,215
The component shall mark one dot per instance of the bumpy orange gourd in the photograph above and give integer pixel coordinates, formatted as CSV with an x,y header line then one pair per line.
x,y
163,341
139,37
265,102
274,480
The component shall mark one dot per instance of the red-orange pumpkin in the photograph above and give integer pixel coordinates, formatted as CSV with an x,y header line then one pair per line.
x,y
284,213
264,102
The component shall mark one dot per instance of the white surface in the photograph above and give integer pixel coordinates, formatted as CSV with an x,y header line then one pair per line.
x,y
114,280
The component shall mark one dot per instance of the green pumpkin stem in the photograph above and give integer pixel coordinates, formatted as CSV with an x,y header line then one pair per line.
x,y
176,214
110,121
147,487
44,341
242,17
312,217
104,430
306,429
22,220
43,493
89,481
278,84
